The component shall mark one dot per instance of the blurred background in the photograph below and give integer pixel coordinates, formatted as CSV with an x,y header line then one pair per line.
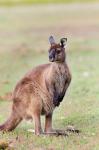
x,y
28,24
25,26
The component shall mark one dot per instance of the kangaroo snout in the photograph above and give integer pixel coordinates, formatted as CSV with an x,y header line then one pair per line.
x,y
52,55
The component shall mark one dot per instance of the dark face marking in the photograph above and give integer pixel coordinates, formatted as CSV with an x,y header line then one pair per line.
x,y
56,53
52,55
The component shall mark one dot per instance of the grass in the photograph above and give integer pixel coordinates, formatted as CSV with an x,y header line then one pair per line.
x,y
18,2
21,37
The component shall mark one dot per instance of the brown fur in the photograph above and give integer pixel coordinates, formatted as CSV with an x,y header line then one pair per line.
x,y
39,92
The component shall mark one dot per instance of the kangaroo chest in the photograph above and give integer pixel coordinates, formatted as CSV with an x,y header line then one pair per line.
x,y
56,82
60,79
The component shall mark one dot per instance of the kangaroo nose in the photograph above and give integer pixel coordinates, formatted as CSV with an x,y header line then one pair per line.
x,y
52,55
51,58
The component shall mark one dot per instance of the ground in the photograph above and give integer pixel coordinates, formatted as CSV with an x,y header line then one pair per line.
x,y
24,44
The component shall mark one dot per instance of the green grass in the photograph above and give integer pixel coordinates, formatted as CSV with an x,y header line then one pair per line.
x,y
18,2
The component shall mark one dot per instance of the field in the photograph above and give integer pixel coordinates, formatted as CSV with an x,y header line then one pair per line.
x,y
21,2
24,44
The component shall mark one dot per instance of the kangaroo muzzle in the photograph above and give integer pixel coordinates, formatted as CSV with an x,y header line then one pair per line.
x,y
52,56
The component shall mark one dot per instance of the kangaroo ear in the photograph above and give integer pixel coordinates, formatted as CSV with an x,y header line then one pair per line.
x,y
51,40
63,42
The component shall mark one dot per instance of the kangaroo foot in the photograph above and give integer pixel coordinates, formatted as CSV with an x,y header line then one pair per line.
x,y
57,133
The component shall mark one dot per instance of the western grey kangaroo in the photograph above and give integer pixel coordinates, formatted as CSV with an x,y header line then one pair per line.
x,y
41,90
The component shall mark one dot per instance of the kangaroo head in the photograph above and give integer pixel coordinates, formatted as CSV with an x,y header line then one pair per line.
x,y
57,51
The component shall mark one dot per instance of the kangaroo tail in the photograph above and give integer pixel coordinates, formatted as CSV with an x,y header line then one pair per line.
x,y
11,123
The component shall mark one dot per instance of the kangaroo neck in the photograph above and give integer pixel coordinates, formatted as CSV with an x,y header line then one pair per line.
x,y
56,68
58,64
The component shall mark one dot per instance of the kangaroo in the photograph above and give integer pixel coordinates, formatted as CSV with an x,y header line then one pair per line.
x,y
41,90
